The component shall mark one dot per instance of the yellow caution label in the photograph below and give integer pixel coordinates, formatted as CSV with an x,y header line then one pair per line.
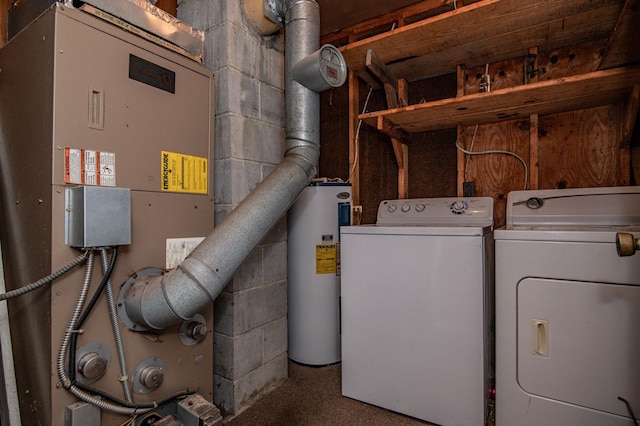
x,y
326,260
183,173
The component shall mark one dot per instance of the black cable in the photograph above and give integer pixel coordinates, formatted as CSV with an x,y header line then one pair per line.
x,y
73,344
635,421
74,340
94,299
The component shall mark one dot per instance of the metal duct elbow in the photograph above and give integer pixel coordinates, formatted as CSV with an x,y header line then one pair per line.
x,y
159,301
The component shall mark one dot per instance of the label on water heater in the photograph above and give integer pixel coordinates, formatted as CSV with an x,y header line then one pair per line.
x,y
326,259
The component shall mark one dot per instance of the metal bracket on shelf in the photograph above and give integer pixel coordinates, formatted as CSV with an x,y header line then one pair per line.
x,y
530,70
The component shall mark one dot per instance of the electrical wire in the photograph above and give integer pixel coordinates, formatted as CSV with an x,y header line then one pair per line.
x,y
123,406
94,299
496,151
154,404
357,138
44,281
466,164
471,152
64,347
71,329
116,329
633,416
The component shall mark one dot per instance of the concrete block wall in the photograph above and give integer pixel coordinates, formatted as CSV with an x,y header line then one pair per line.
x,y
250,325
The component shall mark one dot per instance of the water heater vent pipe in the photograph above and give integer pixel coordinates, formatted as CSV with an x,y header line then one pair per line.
x,y
159,301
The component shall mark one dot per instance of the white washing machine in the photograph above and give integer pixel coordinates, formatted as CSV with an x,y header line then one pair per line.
x,y
417,293
567,309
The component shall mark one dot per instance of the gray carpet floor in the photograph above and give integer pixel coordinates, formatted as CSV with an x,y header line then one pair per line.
x,y
311,396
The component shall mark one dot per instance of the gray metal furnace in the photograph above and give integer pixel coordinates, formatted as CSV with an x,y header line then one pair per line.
x,y
87,104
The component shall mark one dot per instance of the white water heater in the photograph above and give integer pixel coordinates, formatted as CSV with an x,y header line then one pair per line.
x,y
314,272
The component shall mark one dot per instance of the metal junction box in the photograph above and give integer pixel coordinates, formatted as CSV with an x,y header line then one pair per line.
x,y
97,216
88,108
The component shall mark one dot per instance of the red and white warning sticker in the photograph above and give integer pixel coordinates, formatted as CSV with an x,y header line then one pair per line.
x,y
88,167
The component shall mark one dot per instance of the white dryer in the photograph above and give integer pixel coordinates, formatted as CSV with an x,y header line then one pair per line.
x,y
567,309
417,293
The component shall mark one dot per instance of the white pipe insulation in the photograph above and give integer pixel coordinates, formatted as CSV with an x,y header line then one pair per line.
x,y
159,301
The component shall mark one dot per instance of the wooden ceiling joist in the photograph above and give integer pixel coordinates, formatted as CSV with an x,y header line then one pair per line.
x,y
624,45
396,18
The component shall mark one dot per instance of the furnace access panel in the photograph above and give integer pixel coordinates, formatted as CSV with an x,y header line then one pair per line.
x,y
86,103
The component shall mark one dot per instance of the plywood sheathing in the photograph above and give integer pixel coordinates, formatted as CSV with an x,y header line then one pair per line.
x,y
577,148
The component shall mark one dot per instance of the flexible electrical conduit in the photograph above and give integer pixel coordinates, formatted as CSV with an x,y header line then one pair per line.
x,y
44,281
157,302
64,346
116,328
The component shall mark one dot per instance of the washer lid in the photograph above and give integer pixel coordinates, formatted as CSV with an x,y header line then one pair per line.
x,y
612,206
449,212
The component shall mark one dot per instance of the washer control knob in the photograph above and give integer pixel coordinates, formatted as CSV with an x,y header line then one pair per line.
x,y
458,207
151,377
534,203
420,207
92,365
405,207
392,208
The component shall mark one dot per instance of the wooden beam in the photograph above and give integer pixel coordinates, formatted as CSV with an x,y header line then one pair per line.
x,y
4,20
534,143
354,167
460,81
534,153
629,118
380,70
622,48
391,129
391,94
628,123
625,165
397,16
403,155
545,97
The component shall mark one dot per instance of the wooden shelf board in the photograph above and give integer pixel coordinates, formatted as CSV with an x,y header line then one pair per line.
x,y
483,32
547,97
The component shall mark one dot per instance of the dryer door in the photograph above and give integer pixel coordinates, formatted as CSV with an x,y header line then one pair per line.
x,y
579,342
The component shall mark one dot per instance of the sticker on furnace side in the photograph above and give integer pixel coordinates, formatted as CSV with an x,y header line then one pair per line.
x,y
183,173
89,167
178,249
326,259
